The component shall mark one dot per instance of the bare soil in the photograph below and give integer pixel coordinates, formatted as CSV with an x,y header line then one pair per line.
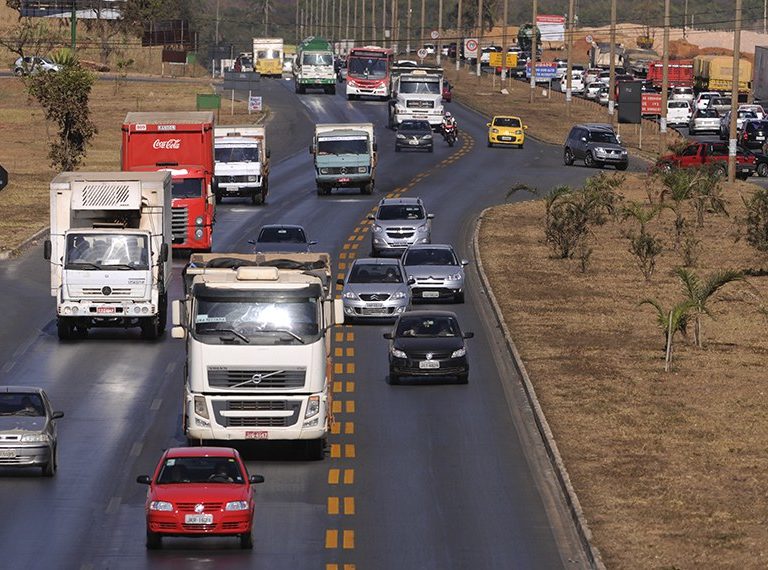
x,y
669,467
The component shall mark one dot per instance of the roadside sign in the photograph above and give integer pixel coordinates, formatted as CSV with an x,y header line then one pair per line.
x,y
544,71
422,53
588,39
254,103
470,48
3,178
650,104
434,34
241,81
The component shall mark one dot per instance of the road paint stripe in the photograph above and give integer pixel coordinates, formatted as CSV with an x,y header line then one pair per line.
x,y
337,387
335,450
333,505
334,476
339,336
350,368
342,265
349,450
349,428
336,406
355,245
349,476
335,428
350,405
348,540
350,337
350,386
338,351
156,403
136,449
338,368
170,367
114,504
331,538
8,365
349,506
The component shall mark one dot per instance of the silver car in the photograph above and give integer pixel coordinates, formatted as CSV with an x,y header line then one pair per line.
x,y
375,288
704,120
436,271
27,429
398,223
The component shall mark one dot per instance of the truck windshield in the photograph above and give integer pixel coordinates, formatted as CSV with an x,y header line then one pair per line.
x,y
268,54
342,145
257,319
317,59
238,154
187,187
420,87
367,68
102,252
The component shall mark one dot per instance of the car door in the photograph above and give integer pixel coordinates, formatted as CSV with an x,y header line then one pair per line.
x,y
690,156
579,146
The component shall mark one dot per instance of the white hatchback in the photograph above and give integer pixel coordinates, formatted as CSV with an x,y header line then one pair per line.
x,y
678,112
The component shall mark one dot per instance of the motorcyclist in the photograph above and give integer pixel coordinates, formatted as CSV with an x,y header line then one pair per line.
x,y
449,120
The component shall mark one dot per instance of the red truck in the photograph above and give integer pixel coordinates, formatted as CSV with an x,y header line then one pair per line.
x,y
703,153
680,73
182,143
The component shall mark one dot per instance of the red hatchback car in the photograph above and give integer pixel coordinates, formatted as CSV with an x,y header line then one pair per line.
x,y
199,491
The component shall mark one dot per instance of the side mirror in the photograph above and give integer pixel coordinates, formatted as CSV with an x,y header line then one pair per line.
x,y
371,217
430,216
311,150
164,253
269,153
251,242
176,312
312,242
179,333
47,248
464,262
583,139
388,336
375,147
525,127
253,479
468,335
340,282
144,480
57,415
487,124
338,311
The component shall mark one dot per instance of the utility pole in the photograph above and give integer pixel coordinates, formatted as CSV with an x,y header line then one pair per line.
x,y
373,21
664,82
439,46
384,25
334,14
73,28
685,20
421,34
534,47
362,22
480,34
569,70
734,93
355,27
459,39
504,43
408,28
266,18
612,81
394,32
346,24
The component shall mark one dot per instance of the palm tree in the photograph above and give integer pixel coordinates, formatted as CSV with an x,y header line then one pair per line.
x,y
699,292
679,185
671,322
641,213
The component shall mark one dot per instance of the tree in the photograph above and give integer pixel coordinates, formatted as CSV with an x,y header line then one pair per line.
x,y
679,185
30,36
670,322
644,246
757,220
64,97
699,293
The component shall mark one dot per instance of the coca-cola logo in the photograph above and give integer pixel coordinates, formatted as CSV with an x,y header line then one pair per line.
x,y
170,144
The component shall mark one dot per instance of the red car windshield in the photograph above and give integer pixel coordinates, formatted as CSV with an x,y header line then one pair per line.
x,y
200,470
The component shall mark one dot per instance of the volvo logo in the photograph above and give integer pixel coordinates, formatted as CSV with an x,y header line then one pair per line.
x,y
429,356
257,378
106,290
199,507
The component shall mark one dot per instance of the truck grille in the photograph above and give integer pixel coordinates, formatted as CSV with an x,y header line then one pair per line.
x,y
420,104
229,179
282,420
253,378
340,170
179,217
99,292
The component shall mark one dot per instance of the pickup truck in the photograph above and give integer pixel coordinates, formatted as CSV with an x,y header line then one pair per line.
x,y
708,153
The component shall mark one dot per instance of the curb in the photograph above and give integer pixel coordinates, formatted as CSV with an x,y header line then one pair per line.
x,y
9,253
564,481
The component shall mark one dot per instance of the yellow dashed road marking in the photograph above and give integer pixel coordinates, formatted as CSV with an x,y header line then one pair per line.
x,y
331,538
348,540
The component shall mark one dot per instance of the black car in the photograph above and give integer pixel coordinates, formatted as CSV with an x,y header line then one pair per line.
x,y
414,134
428,343
754,134
761,161
283,238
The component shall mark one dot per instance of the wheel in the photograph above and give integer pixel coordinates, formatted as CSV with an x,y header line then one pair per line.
x,y
721,170
64,328
459,297
397,148
150,327
163,311
49,469
762,170
218,197
246,541
451,141
432,148
332,90
463,378
315,449
154,540
490,144
19,72
257,198
589,161
568,157
621,166
393,379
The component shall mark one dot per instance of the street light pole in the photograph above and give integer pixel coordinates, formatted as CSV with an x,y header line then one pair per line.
x,y
439,46
534,47
569,70
408,28
504,42
480,33
612,80
664,82
734,93
459,39
423,12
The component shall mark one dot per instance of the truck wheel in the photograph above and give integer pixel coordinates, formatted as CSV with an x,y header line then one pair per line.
x,y
163,312
150,327
315,449
64,328
367,189
762,170
257,198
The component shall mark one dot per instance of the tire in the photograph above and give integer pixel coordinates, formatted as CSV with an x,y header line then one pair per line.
x,y
721,170
49,469
451,141
18,72
432,148
621,166
163,312
397,148
393,379
367,189
490,144
154,540
150,327
332,90
458,297
257,198
315,449
589,160
462,378
568,157
762,170
246,541
64,328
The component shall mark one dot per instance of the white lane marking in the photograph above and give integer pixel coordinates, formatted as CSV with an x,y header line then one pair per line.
x,y
170,367
114,504
8,365
136,449
156,403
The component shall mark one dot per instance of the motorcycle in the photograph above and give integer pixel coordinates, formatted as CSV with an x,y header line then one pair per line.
x,y
450,133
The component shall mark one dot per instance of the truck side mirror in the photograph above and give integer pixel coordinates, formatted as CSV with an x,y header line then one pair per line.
x,y
311,150
269,153
47,247
176,313
338,311
164,253
179,333
430,216
375,147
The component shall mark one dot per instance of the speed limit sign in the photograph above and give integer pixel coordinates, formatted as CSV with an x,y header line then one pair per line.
x,y
434,35
422,53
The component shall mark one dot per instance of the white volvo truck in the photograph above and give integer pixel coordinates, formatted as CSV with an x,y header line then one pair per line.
x,y
109,250
257,331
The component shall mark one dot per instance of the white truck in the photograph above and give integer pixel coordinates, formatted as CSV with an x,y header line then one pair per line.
x,y
242,163
257,330
268,56
418,95
345,156
109,250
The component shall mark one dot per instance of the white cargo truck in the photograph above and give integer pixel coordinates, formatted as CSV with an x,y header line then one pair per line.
x,y
257,332
418,95
109,250
242,163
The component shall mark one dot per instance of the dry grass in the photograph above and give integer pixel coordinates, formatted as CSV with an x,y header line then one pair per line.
x,y
25,137
669,467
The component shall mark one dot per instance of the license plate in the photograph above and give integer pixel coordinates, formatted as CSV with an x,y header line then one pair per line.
x,y
256,435
198,519
760,138
429,364
506,138
430,294
342,180
105,310
233,189
413,142
374,305
7,453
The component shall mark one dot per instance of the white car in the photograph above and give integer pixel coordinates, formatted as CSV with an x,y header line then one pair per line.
x,y
593,89
678,112
682,94
32,65
430,49
702,101
756,109
704,120
602,95
605,77
591,75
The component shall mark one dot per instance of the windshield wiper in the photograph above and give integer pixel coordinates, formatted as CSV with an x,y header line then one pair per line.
x,y
286,331
82,265
231,331
121,266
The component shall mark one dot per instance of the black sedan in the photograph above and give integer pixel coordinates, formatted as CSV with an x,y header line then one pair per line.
x,y
428,343
415,135
282,238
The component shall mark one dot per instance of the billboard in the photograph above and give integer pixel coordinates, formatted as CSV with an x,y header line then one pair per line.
x,y
85,9
166,33
552,28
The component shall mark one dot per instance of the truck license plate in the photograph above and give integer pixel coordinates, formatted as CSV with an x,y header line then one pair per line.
x,y
342,180
198,519
429,364
759,138
257,434
105,310
7,453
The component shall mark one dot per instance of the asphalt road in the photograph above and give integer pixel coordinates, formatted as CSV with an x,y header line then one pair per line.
x,y
429,476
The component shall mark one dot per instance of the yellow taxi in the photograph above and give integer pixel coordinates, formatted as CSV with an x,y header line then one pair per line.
x,y
506,129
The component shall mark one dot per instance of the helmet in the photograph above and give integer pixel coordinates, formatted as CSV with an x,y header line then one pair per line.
x,y
447,114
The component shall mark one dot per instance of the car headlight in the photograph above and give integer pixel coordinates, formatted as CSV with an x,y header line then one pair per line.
x,y
200,408
323,171
399,295
459,353
518,132
252,178
236,506
199,221
400,136
455,277
362,169
36,437
376,228
397,353
422,229
313,407
349,295
427,137
495,131
160,506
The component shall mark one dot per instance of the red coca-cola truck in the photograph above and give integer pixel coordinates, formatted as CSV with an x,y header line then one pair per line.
x,y
182,143
680,73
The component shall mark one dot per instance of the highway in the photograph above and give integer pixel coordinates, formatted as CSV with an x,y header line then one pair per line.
x,y
425,475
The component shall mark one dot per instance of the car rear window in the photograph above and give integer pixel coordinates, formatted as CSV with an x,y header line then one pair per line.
x,y
436,256
708,113
757,125
678,105
284,235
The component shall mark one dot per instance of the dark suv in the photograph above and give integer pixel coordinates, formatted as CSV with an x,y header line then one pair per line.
x,y
754,134
595,144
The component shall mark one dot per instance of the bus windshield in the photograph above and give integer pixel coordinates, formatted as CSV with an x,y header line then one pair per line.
x,y
367,68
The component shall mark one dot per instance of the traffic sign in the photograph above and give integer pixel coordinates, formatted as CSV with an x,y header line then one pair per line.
x,y
650,104
588,39
422,53
470,48
254,103
434,34
543,70
3,178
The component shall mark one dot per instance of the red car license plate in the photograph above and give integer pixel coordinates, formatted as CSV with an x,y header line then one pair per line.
x,y
105,310
256,435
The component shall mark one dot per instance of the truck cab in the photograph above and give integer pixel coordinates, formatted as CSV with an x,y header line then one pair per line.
x,y
418,96
314,66
241,164
344,156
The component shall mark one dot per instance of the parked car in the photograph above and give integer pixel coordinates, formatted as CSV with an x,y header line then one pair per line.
x,y
28,435
678,113
416,135
682,94
702,99
603,95
506,130
375,289
761,162
31,65
597,145
704,120
447,91
428,343
592,74
282,237
399,223
725,122
436,271
754,134
199,492
430,49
